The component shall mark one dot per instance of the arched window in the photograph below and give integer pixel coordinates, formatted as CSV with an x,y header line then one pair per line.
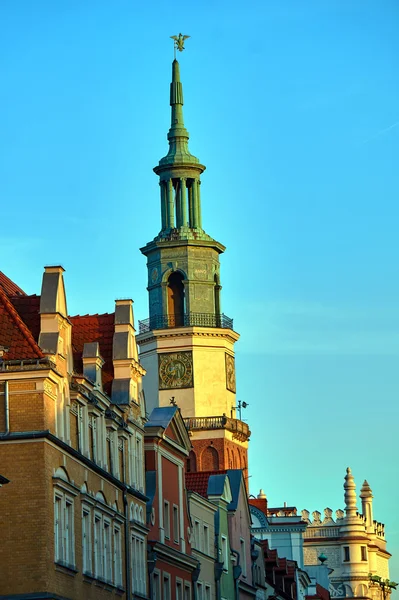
x,y
210,459
191,462
176,299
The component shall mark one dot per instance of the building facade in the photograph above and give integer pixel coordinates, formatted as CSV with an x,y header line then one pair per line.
x,y
354,544
187,344
72,440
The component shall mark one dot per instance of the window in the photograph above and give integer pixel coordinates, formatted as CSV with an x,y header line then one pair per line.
x,y
187,591
225,553
93,437
64,542
110,460
132,461
117,557
208,592
86,540
243,557
139,564
197,535
346,554
121,454
206,539
200,591
156,586
176,523
98,548
139,463
107,552
166,587
363,550
166,519
179,590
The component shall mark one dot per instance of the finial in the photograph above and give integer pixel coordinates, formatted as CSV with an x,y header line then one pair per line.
x,y
350,493
261,495
366,492
179,42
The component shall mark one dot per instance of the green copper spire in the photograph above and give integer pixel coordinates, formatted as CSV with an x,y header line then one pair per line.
x,y
178,134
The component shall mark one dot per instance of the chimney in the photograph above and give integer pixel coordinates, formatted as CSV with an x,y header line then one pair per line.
x,y
93,363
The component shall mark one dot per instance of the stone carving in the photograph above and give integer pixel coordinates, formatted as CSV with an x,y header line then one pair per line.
x,y
230,373
328,520
339,514
305,516
337,590
316,517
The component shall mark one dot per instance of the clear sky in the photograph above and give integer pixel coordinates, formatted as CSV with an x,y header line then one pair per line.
x,y
293,105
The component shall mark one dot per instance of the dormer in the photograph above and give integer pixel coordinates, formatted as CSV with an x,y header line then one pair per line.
x,y
128,372
93,363
55,328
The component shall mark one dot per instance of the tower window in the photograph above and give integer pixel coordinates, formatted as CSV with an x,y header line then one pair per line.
x,y
363,551
346,554
210,459
176,299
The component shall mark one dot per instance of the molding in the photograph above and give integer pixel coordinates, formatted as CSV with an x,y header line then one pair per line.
x,y
173,556
48,437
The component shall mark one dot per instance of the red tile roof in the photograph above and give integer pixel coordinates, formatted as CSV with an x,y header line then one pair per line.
x,y
198,482
94,328
14,334
9,287
321,593
28,308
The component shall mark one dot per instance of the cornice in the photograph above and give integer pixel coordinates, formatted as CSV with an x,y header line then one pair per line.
x,y
182,332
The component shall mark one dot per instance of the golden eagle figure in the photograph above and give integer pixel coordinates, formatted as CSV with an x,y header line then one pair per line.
x,y
179,41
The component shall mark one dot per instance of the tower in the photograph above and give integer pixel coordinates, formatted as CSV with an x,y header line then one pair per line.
x,y
187,343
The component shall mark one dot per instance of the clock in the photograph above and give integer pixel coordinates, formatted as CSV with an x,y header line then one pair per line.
x,y
175,370
230,373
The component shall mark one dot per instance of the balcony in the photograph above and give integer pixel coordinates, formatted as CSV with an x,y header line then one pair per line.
x,y
187,320
239,429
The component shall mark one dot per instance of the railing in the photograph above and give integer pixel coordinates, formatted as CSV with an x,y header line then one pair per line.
x,y
316,532
27,364
187,320
237,427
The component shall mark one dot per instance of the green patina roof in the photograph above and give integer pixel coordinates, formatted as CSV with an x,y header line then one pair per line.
x,y
178,136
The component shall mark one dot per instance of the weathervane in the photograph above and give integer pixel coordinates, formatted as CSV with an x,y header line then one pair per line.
x,y
179,42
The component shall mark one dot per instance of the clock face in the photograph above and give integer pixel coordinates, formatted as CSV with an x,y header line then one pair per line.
x,y
175,370
230,373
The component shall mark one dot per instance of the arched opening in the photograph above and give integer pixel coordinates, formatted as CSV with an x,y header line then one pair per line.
x,y
216,293
176,299
191,462
210,459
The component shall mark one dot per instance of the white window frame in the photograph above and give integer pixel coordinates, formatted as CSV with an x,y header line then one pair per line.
x,y
187,590
107,550
64,529
166,521
179,586
86,540
118,574
225,554
166,586
206,538
138,553
199,590
176,527
197,534
208,591
98,546
156,585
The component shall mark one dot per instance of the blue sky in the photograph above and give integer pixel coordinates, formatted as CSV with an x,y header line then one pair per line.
x,y
293,107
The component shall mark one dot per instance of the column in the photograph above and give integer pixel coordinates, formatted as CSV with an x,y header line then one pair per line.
x,y
178,203
170,203
195,203
164,214
183,201
190,204
199,215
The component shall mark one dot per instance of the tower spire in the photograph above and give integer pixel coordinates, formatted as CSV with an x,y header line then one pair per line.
x,y
178,135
